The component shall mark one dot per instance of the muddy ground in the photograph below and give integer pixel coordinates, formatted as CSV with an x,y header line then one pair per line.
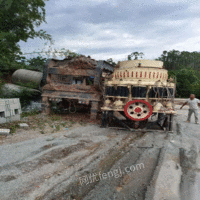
x,y
39,124
83,161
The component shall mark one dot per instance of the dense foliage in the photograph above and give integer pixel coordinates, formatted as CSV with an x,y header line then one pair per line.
x,y
174,60
18,20
186,67
136,55
25,96
35,64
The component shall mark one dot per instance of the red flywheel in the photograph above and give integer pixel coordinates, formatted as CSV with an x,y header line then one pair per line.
x,y
138,110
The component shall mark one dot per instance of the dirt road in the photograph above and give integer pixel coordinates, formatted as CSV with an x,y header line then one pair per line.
x,y
94,163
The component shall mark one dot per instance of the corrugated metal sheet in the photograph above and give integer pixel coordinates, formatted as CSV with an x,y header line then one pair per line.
x,y
105,65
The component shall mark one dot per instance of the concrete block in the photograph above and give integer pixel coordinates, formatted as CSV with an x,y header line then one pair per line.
x,y
4,131
24,125
10,110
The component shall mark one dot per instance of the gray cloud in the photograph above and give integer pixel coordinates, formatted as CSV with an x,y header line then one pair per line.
x,y
115,28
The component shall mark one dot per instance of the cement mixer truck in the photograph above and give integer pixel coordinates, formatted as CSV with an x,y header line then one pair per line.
x,y
139,92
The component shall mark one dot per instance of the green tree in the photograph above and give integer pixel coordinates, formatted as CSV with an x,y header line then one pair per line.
x,y
186,67
36,63
187,80
110,60
129,57
175,59
136,55
141,55
18,20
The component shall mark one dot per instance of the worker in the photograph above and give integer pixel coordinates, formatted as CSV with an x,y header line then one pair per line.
x,y
193,107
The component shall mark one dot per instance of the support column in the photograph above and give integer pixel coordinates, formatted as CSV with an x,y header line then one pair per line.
x,y
46,105
94,110
104,120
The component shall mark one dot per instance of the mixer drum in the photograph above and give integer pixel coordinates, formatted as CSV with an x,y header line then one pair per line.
x,y
138,110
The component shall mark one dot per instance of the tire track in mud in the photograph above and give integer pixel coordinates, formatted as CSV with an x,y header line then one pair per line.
x,y
75,190
132,185
87,155
51,156
59,161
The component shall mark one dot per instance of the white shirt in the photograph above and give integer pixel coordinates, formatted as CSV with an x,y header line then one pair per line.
x,y
193,104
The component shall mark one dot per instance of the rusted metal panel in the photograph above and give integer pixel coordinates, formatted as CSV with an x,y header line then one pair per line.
x,y
71,95
75,72
105,65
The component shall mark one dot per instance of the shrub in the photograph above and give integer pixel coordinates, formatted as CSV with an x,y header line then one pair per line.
x,y
25,95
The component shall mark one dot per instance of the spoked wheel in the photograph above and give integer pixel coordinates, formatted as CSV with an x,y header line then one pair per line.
x,y
138,110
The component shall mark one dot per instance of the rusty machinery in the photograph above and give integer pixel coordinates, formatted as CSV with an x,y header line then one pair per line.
x,y
139,91
72,82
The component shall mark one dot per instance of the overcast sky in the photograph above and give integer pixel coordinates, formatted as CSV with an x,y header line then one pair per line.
x,y
114,28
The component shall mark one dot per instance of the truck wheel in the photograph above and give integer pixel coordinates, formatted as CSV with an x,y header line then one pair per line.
x,y
138,110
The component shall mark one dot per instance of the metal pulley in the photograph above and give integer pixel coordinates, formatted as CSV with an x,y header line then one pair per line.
x,y
138,110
